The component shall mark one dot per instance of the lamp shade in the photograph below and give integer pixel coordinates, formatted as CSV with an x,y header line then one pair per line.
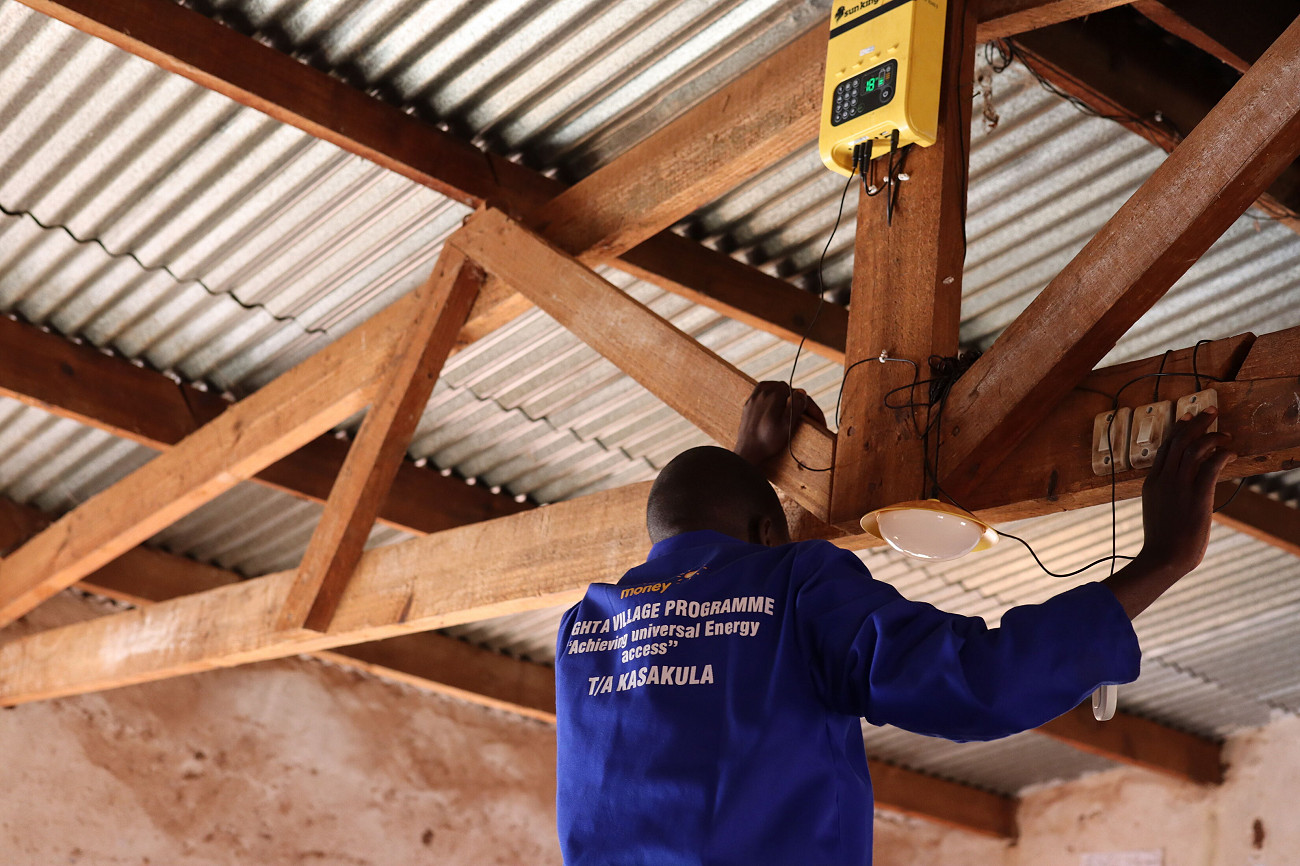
x,y
929,529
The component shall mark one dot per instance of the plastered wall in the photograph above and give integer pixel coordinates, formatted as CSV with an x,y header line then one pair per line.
x,y
291,762
1130,817
1252,819
902,841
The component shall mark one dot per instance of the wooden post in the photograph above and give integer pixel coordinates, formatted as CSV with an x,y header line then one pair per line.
x,y
906,298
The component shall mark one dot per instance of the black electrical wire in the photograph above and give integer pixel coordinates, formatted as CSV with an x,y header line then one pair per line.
x,y
891,192
1000,54
821,301
1155,394
96,241
1241,482
1114,555
1196,349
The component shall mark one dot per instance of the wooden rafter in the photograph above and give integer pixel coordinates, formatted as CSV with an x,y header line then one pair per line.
x,y
1273,356
761,117
1204,185
1142,743
299,405
1009,17
441,305
1237,40
1052,470
77,382
1260,517
940,800
433,662
536,559
906,298
686,375
1169,18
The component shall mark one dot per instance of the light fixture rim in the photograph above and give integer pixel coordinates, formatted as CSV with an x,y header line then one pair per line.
x,y
871,523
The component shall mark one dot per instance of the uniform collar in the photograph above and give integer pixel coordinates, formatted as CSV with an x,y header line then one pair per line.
x,y
688,540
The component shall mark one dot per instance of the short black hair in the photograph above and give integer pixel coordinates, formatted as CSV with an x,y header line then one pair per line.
x,y
712,488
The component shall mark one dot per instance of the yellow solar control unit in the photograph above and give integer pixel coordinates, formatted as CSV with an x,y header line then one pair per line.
x,y
883,69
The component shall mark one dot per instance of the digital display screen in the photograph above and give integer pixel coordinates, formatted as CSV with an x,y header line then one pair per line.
x,y
878,81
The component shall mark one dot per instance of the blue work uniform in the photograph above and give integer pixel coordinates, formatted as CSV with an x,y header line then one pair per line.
x,y
708,703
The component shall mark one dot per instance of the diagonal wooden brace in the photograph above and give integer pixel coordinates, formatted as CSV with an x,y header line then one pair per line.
x,y
441,305
1190,200
299,405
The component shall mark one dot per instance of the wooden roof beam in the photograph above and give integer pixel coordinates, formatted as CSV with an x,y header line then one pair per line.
x,y
434,662
1204,185
999,18
185,42
945,802
766,114
1140,742
1271,356
536,559
1237,40
77,382
427,660
1260,517
1051,471
672,365
297,406
906,298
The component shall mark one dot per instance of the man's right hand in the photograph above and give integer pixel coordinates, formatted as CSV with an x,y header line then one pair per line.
x,y
769,419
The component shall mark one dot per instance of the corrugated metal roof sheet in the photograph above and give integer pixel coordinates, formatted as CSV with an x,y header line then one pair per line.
x,y
56,464
566,83
1004,766
239,246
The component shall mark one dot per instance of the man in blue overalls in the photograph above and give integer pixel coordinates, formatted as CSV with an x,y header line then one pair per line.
x,y
708,704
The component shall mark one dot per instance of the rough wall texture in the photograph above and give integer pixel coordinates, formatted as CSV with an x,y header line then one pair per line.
x,y
1253,819
904,841
280,763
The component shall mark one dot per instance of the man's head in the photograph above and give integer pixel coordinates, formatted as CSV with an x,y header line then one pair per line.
x,y
713,488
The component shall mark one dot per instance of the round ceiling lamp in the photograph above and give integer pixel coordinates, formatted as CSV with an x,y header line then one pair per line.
x,y
929,529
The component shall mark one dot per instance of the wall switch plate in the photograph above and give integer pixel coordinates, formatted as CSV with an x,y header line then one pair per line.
x,y
1198,402
1149,429
1101,455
